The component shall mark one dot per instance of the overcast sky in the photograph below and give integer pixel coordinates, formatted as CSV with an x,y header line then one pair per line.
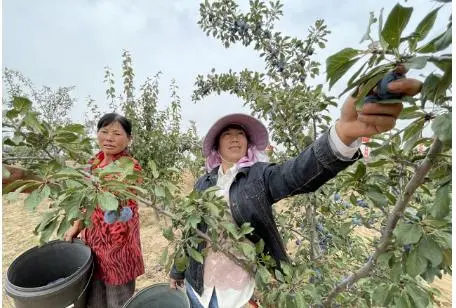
x,y
68,43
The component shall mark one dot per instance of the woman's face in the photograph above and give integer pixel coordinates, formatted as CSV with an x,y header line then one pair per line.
x,y
112,138
233,144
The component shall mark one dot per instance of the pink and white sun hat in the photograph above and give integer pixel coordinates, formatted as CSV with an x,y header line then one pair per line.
x,y
255,130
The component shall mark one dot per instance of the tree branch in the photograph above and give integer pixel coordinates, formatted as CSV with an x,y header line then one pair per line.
x,y
24,158
393,218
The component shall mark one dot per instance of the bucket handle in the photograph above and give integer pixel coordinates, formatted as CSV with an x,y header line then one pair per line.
x,y
85,288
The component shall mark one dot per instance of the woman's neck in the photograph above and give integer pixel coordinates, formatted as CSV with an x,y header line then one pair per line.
x,y
226,165
107,159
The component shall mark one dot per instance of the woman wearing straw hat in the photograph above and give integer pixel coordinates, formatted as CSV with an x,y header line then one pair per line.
x,y
235,162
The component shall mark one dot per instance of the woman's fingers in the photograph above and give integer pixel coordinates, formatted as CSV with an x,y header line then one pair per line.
x,y
381,123
382,109
406,86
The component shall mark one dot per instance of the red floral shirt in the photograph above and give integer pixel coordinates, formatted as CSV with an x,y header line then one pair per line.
x,y
117,247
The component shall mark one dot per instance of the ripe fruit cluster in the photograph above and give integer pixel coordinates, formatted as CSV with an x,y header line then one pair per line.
x,y
124,215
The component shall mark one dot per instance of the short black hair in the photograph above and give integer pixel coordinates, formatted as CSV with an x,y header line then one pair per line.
x,y
231,126
110,118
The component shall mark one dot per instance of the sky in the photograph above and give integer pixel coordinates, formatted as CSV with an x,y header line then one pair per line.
x,y
68,43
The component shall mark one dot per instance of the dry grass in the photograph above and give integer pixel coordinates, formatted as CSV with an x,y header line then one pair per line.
x,y
19,223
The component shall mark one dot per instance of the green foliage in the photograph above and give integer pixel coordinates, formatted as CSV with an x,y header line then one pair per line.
x,y
324,230
281,94
162,149
411,229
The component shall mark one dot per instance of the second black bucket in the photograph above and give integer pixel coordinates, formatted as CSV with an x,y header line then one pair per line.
x,y
54,275
158,296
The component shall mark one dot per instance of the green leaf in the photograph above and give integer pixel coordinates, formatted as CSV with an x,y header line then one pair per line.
x,y
63,227
265,275
380,294
408,233
360,171
384,258
168,234
279,276
411,112
67,173
441,207
412,133
339,63
48,230
248,250
287,269
355,75
12,114
366,88
74,212
395,23
13,186
396,272
445,83
160,192
31,119
415,264
22,104
442,127
429,249
430,87
233,229
438,43
195,255
46,219
423,28
194,220
379,199
107,201
417,63
66,137
299,300
181,262
444,41
378,163
36,197
153,167
75,128
5,173
259,246
402,301
418,295
246,228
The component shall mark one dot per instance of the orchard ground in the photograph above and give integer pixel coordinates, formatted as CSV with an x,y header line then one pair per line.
x,y
18,226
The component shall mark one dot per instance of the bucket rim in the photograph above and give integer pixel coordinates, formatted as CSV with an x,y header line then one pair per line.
x,y
10,288
160,284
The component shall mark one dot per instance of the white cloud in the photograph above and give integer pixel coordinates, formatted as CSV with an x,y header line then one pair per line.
x,y
62,43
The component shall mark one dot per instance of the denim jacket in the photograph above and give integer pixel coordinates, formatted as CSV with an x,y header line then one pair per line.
x,y
255,189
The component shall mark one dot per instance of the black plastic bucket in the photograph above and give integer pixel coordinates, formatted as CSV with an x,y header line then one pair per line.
x,y
55,275
158,296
